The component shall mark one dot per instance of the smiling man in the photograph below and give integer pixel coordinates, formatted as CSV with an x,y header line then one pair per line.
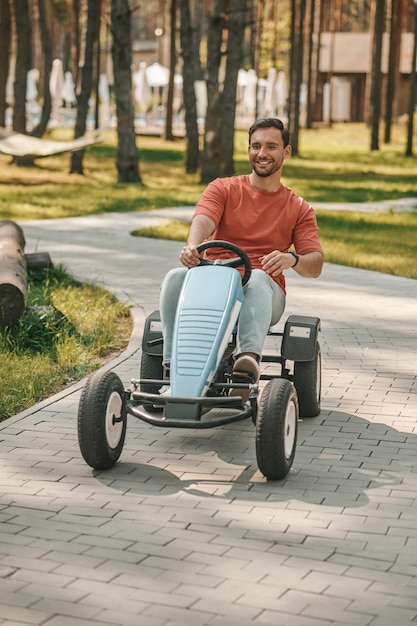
x,y
263,217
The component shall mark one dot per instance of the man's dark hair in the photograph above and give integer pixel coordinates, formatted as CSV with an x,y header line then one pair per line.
x,y
268,122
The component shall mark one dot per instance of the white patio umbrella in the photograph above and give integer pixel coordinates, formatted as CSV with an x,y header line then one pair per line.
x,y
200,88
157,75
281,89
261,89
178,92
242,78
142,90
104,99
270,101
249,94
103,88
10,88
31,86
68,92
32,105
57,83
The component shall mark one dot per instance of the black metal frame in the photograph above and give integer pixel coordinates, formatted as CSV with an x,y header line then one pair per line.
x,y
189,412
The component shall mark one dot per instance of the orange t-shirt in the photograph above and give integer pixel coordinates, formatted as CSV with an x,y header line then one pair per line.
x,y
258,221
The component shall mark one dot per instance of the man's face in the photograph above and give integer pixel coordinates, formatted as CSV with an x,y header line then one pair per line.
x,y
266,151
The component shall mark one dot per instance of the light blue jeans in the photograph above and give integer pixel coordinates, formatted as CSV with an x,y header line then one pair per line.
x,y
262,307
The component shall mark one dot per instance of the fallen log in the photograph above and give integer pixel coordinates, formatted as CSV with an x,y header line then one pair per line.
x,y
13,273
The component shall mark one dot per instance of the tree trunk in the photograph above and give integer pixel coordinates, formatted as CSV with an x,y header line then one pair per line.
x,y
5,39
39,130
93,24
378,32
168,134
311,65
292,63
236,26
23,63
189,76
275,41
253,33
217,156
127,154
13,274
412,93
393,64
296,74
211,152
76,38
259,28
97,78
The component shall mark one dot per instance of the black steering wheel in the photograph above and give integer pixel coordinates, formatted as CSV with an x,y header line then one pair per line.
x,y
241,259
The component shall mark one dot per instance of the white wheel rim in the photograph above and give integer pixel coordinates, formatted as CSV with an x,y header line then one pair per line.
x,y
290,429
114,429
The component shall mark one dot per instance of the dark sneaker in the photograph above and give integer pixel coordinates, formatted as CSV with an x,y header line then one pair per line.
x,y
165,390
245,370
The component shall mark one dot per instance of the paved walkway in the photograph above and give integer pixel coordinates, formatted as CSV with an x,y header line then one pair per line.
x,y
184,529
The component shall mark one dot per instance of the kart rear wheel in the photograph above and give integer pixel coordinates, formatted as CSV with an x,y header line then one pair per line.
x,y
150,368
307,381
102,420
276,428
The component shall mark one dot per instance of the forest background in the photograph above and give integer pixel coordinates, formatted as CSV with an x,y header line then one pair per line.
x,y
206,39
209,40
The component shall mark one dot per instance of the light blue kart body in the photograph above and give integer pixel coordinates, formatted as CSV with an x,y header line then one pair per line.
x,y
207,313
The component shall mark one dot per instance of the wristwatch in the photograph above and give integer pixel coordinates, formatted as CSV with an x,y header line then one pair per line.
x,y
296,257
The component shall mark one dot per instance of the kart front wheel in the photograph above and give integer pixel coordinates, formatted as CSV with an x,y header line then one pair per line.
x,y
276,428
102,420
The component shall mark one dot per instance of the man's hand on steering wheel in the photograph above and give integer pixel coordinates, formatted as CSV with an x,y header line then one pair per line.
x,y
189,255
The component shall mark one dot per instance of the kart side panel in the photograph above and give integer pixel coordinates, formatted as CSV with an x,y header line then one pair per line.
x,y
300,338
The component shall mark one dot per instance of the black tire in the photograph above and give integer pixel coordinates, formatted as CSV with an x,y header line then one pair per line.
x,y
276,428
151,368
102,420
307,381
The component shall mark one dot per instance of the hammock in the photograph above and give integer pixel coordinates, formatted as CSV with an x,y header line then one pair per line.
x,y
26,148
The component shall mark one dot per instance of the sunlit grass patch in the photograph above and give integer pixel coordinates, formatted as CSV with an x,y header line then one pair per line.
x,y
68,330
174,230
381,241
334,165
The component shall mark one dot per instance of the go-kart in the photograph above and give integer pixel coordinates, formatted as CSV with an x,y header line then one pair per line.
x,y
200,376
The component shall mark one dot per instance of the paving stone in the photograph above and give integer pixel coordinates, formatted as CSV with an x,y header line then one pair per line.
x,y
184,529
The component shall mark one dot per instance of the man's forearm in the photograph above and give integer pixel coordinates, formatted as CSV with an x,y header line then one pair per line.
x,y
201,228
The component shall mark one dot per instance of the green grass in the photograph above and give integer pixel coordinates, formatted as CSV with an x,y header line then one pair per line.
x,y
174,230
383,242
47,190
335,165
68,330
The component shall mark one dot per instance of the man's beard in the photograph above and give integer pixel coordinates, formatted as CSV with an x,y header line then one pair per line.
x,y
265,173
